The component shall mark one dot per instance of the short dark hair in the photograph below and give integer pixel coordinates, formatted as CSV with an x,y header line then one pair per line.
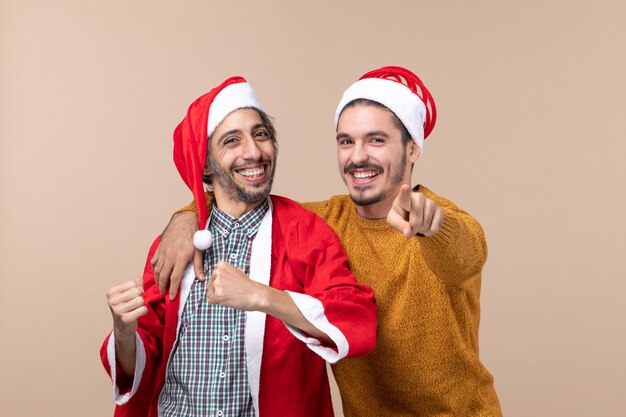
x,y
267,122
404,133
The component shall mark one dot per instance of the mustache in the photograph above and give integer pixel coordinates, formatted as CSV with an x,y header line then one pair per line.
x,y
262,160
366,165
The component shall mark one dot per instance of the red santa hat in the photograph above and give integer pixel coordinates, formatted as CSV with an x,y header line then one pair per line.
x,y
402,92
191,140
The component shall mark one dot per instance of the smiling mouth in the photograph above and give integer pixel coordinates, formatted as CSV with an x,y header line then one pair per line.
x,y
252,172
363,175
364,172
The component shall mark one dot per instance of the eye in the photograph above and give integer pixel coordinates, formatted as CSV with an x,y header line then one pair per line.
x,y
344,142
377,140
229,140
261,134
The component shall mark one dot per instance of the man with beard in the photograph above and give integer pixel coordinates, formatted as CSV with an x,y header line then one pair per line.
x,y
252,339
426,278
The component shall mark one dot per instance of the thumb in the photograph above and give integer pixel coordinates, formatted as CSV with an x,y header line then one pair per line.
x,y
139,283
198,264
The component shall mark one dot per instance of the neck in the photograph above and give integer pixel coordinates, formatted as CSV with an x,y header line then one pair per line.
x,y
377,210
235,208
380,209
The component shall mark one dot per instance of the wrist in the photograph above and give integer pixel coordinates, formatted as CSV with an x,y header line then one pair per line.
x,y
262,298
124,334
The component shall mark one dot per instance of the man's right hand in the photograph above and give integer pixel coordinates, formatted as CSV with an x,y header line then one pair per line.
x,y
175,251
126,304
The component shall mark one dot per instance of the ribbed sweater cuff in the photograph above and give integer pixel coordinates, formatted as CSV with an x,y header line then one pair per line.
x,y
446,234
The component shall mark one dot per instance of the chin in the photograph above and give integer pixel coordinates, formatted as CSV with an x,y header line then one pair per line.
x,y
252,195
366,200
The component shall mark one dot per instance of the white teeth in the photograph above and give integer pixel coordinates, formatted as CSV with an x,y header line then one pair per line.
x,y
361,175
252,172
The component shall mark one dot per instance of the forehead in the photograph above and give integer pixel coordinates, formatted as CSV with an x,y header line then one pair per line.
x,y
240,119
365,117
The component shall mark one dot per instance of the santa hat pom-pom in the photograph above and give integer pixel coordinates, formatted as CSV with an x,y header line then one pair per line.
x,y
202,239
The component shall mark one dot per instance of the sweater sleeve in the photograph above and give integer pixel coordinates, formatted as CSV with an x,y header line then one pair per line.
x,y
189,207
194,207
136,392
458,251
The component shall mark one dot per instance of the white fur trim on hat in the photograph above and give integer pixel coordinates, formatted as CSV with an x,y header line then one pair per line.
x,y
408,106
231,98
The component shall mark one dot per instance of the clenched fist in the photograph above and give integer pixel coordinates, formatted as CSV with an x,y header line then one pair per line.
x,y
229,286
126,305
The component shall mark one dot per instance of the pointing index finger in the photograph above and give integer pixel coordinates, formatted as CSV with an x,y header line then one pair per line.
x,y
404,197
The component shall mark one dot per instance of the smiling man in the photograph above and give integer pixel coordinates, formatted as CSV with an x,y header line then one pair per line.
x,y
422,255
252,340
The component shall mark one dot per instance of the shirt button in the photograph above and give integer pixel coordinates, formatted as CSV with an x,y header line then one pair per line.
x,y
236,225
233,256
225,338
219,412
222,374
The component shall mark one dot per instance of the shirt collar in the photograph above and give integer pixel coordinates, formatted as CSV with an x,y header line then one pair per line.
x,y
251,221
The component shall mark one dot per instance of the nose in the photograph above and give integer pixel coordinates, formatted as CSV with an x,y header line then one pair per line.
x,y
359,153
251,150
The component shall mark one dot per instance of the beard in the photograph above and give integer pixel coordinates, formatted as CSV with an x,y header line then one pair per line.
x,y
226,179
360,197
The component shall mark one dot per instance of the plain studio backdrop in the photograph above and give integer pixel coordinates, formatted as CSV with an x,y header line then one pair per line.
x,y
530,140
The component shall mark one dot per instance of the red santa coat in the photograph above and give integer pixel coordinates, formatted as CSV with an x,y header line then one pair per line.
x,y
307,260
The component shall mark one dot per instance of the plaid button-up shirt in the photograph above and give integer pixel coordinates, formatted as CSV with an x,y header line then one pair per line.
x,y
207,373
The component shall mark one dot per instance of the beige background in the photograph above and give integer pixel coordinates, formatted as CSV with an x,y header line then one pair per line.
x,y
530,139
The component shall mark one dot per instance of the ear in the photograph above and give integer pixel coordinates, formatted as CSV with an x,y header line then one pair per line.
x,y
207,166
413,152
207,170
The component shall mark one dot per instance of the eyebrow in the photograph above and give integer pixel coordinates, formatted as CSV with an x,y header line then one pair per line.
x,y
377,133
259,125
225,134
341,135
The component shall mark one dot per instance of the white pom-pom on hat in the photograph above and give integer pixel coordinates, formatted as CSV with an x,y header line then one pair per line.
x,y
202,239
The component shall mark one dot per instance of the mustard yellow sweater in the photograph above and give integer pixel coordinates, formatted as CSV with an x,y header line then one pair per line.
x,y
427,291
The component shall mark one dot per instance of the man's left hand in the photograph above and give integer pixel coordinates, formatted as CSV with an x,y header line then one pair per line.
x,y
413,212
230,287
